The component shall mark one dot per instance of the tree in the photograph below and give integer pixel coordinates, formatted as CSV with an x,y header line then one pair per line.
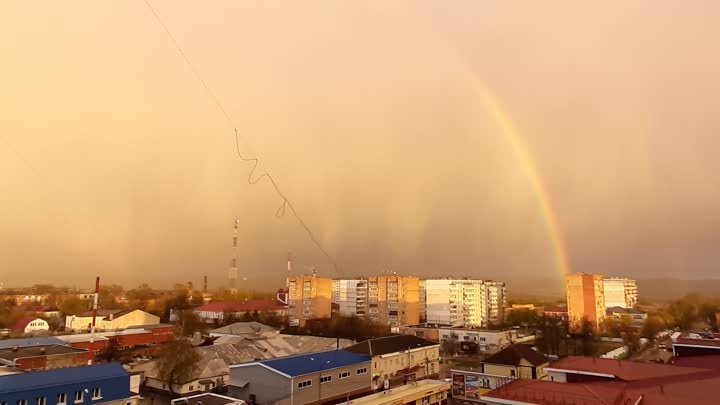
x,y
74,305
449,347
653,325
188,323
522,317
177,361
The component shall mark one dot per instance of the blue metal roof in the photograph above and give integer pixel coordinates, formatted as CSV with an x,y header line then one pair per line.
x,y
40,379
39,341
315,362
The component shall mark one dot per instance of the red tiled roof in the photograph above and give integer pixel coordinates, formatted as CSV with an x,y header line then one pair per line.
x,y
22,324
709,362
553,393
245,306
698,342
696,391
622,369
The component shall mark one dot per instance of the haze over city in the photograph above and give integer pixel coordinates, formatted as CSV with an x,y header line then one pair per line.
x,y
115,162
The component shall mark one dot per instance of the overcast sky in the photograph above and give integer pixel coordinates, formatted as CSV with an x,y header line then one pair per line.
x,y
115,162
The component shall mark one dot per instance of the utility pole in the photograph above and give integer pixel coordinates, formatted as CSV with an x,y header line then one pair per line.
x,y
91,352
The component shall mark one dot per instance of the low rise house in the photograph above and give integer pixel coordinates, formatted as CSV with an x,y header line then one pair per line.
x,y
479,340
517,361
134,336
211,371
425,392
513,362
560,312
215,311
427,331
31,325
313,378
635,316
110,320
43,357
399,359
106,384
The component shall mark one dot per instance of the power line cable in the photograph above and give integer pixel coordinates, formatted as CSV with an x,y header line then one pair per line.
x,y
286,203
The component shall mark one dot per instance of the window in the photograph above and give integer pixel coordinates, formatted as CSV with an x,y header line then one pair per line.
x,y
345,374
482,339
61,399
22,402
78,396
361,371
40,401
512,373
191,387
304,384
97,393
325,379
466,337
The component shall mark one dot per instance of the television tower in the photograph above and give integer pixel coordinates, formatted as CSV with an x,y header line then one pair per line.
x,y
233,274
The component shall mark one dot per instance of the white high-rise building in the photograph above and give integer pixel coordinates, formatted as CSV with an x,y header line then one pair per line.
x,y
464,302
350,296
620,292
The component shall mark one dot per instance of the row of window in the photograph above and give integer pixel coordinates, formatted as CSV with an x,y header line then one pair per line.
x,y
78,398
327,378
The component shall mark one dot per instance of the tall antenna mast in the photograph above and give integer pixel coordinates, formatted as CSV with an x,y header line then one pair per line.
x,y
233,275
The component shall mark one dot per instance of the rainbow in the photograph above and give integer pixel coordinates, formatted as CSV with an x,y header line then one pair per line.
x,y
522,154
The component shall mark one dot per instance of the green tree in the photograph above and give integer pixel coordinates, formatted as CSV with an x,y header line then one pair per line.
x,y
177,362
74,305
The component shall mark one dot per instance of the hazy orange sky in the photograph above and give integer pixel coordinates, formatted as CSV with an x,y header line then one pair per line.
x,y
114,161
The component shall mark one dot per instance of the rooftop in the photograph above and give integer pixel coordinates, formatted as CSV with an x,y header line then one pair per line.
x,y
622,369
40,379
270,347
245,306
621,310
38,341
294,366
34,351
207,398
391,396
390,344
514,354
244,328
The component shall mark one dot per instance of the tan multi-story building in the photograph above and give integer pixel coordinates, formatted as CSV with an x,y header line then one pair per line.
x,y
585,299
309,297
393,300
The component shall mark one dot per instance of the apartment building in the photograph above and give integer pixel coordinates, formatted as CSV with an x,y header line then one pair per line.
x,y
309,297
464,302
394,300
585,299
620,292
350,296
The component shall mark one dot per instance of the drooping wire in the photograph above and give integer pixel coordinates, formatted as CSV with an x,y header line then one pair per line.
x,y
286,203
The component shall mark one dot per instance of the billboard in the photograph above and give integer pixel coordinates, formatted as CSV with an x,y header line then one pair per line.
x,y
472,386
458,385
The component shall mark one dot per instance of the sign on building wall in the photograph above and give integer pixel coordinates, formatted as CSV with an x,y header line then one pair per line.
x,y
458,385
472,387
